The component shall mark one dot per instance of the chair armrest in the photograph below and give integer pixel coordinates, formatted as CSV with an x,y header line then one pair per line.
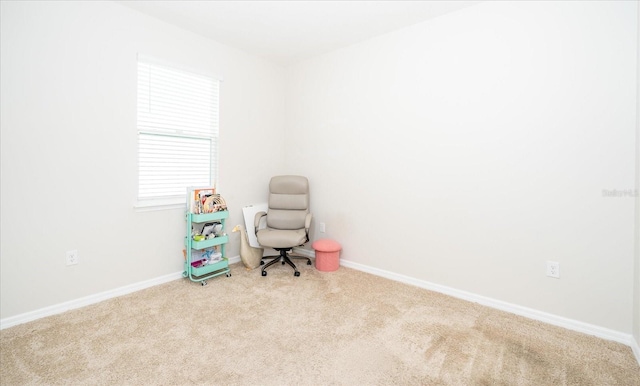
x,y
256,220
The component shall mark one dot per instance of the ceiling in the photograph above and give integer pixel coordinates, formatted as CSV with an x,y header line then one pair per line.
x,y
288,31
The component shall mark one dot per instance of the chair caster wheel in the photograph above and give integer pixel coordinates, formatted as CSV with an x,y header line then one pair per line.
x,y
203,283
282,262
264,273
296,273
308,262
261,262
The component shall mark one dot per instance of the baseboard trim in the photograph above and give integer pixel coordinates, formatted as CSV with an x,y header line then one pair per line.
x,y
555,320
530,313
636,349
92,299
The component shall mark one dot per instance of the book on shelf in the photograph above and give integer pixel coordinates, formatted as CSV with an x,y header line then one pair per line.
x,y
197,198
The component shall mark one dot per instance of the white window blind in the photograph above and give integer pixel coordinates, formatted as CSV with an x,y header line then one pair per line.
x,y
177,132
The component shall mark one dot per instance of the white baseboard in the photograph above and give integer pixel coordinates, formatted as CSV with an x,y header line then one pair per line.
x,y
92,299
304,252
560,321
636,349
530,313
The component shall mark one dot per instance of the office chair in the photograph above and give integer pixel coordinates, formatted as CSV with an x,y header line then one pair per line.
x,y
287,220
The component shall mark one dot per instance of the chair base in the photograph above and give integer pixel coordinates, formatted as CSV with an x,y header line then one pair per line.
x,y
283,257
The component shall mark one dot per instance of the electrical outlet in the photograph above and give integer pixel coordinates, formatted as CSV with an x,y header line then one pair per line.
x,y
72,257
323,228
553,269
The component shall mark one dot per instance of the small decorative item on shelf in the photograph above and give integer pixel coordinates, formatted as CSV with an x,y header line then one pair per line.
x,y
214,203
204,200
196,197
218,229
208,229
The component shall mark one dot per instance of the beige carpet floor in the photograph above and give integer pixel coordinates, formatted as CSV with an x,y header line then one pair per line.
x,y
322,328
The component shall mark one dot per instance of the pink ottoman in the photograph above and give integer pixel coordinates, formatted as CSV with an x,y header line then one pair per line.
x,y
327,254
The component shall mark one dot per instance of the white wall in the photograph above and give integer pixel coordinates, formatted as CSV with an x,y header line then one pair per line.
x,y
468,150
69,140
465,151
636,292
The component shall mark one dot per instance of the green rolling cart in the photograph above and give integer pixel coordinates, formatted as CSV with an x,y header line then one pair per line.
x,y
202,273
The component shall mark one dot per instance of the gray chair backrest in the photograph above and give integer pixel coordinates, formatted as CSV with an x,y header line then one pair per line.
x,y
288,202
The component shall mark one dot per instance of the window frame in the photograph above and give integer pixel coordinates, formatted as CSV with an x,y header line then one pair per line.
x,y
146,133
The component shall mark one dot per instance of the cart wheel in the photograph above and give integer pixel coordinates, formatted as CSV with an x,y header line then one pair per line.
x,y
228,275
296,273
264,273
184,274
203,283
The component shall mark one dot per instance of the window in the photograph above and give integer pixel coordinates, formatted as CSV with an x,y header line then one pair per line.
x,y
177,132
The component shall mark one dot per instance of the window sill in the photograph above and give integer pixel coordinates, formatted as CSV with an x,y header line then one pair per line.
x,y
159,204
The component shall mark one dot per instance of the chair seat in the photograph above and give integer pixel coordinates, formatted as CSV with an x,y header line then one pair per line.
x,y
276,238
